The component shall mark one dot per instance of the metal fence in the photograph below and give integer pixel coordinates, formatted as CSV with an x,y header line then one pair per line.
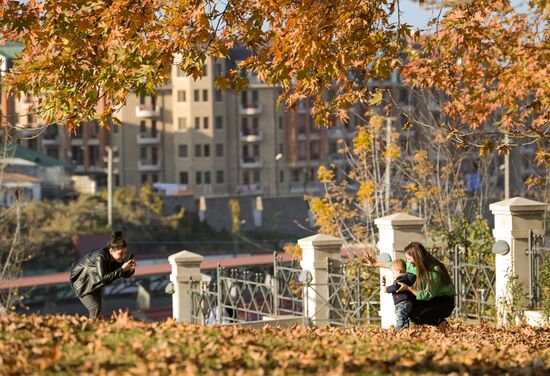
x,y
539,257
235,296
474,277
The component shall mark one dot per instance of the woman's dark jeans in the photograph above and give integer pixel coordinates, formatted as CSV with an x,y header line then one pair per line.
x,y
432,312
93,303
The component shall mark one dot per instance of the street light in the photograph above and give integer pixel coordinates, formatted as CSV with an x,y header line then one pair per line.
x,y
110,160
278,157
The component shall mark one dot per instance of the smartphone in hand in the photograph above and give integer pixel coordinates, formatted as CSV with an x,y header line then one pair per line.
x,y
132,256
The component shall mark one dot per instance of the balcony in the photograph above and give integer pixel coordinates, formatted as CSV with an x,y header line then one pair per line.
x,y
302,108
336,158
254,81
250,109
145,165
251,136
255,188
50,140
26,105
335,133
252,162
143,111
147,138
309,187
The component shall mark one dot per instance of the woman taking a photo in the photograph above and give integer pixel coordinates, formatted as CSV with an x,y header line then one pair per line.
x,y
434,289
100,268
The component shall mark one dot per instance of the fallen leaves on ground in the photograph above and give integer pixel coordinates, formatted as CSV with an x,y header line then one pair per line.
x,y
63,344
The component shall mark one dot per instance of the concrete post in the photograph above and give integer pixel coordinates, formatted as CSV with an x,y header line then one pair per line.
x,y
395,232
185,270
513,219
315,251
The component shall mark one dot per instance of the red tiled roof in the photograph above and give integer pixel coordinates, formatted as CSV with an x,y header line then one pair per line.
x,y
61,278
13,177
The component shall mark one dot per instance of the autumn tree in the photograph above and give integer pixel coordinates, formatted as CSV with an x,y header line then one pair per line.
x,y
83,59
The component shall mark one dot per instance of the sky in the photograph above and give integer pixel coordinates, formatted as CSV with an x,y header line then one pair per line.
x,y
412,14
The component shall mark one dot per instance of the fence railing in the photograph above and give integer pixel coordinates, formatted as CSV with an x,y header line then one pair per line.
x,y
241,296
474,277
538,256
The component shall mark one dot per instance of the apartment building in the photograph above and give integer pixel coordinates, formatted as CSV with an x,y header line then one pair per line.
x,y
204,141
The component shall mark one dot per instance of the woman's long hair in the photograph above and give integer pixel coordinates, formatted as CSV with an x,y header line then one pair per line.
x,y
117,241
425,262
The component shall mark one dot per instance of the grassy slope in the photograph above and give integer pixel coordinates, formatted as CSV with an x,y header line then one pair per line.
x,y
74,345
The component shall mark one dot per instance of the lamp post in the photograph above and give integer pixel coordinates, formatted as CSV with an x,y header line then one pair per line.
x,y
277,159
110,161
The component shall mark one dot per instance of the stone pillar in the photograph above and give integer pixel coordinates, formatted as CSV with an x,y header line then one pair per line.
x,y
185,270
315,251
513,219
395,232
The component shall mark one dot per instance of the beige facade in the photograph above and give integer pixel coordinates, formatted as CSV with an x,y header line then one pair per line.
x,y
209,142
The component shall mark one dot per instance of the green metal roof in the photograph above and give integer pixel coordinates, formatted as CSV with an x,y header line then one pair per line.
x,y
10,51
19,151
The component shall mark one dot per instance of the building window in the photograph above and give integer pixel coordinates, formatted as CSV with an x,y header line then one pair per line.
x,y
256,150
295,175
281,148
219,150
154,154
301,123
117,180
154,178
142,99
198,177
184,177
196,95
246,178
181,96
207,150
182,123
218,69
256,176
302,150
205,122
153,128
144,179
53,152
182,151
77,155
142,127
314,150
207,177
205,95
332,147
255,98
219,122
219,177
205,70
93,152
218,95
143,153
198,150
281,176
197,122
179,72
